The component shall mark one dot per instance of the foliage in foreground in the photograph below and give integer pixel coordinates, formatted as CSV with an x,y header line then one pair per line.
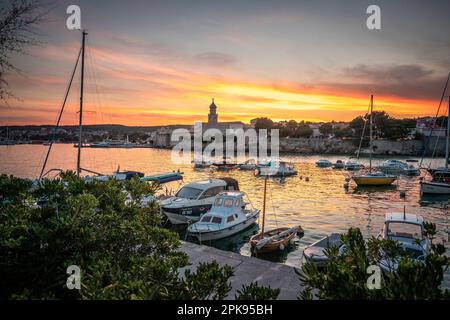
x,y
102,227
345,273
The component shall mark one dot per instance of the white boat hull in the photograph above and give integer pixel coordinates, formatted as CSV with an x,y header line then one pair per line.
x,y
435,188
224,233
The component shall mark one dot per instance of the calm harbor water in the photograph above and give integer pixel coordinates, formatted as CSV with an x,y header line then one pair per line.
x,y
321,205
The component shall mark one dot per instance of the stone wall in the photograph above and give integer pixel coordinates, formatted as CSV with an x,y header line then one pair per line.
x,y
381,147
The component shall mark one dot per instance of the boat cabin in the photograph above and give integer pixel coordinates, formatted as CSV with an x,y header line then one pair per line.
x,y
228,208
403,227
206,188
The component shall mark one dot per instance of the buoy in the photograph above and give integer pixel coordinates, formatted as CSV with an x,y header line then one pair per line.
x,y
301,177
307,179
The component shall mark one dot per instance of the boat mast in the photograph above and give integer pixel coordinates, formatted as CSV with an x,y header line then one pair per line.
x,y
370,135
81,102
264,208
447,144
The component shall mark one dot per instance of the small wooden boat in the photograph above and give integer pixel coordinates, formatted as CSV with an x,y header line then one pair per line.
x,y
273,240
315,253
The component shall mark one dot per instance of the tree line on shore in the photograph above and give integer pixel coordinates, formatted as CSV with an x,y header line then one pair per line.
x,y
384,126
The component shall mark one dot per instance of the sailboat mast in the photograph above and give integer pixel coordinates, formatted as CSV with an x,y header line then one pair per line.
x,y
81,103
264,208
447,144
370,135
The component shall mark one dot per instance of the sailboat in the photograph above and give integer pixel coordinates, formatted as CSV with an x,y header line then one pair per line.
x,y
375,178
440,184
272,240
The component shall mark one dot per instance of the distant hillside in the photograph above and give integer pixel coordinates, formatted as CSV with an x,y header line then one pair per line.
x,y
100,127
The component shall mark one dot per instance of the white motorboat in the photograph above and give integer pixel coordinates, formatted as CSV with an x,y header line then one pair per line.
x,y
407,229
276,168
323,163
392,166
195,199
228,215
315,253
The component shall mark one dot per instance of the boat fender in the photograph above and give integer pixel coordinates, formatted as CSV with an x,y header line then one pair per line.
x,y
281,246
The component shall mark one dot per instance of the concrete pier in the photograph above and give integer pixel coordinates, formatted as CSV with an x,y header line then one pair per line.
x,y
247,270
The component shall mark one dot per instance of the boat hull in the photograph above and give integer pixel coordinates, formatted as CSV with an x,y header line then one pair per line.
x,y
273,246
224,233
374,181
185,215
434,188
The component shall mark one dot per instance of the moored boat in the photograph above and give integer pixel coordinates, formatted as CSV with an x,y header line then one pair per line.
x,y
407,230
276,168
228,215
373,178
195,199
339,164
315,253
272,240
323,163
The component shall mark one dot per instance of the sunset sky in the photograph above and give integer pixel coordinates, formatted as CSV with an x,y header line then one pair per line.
x,y
161,62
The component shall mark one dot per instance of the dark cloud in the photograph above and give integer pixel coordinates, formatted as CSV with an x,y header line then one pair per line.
x,y
392,73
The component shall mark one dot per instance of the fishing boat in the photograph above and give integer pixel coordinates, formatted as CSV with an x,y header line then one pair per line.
x,y
406,229
194,199
339,164
440,183
272,240
323,163
412,168
373,178
276,168
228,215
315,253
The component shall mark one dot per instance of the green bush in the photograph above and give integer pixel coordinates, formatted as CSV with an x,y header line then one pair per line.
x,y
345,273
119,245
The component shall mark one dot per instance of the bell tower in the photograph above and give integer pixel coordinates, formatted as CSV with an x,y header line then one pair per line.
x,y
213,116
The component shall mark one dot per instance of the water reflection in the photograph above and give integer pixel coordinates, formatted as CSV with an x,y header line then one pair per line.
x,y
315,199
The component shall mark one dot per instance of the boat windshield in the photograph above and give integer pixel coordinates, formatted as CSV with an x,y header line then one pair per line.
x,y
188,193
404,230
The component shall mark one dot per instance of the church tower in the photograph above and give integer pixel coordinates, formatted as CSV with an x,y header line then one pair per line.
x,y
213,116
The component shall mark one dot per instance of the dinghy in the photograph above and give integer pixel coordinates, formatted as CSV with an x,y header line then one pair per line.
x,y
315,253
272,240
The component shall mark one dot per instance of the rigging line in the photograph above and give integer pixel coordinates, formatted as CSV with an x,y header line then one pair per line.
x,y
436,144
434,125
273,207
60,114
364,130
